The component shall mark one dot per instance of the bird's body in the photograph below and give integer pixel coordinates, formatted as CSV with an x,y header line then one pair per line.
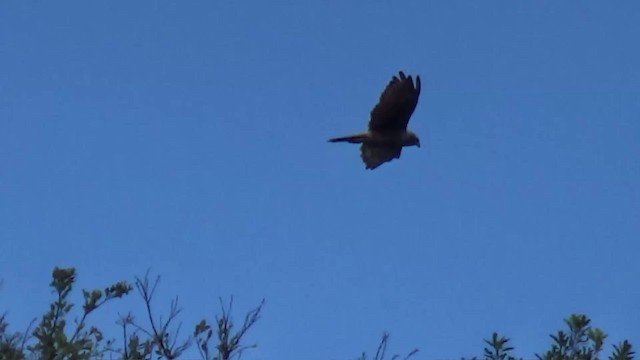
x,y
387,133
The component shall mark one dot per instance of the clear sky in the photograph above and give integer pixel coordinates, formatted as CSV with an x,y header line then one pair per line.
x,y
190,138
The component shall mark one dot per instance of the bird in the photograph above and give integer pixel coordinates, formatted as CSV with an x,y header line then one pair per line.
x,y
387,132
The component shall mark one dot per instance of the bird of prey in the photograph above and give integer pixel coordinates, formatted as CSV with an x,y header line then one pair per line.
x,y
388,133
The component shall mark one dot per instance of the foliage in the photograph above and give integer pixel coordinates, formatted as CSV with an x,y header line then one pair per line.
x,y
580,342
53,338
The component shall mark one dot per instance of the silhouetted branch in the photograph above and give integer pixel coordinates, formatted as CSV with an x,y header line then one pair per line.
x,y
382,349
229,343
159,332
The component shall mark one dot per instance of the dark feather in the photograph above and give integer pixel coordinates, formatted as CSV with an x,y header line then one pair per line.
x,y
396,105
374,156
354,139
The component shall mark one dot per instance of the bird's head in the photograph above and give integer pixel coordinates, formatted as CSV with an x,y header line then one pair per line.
x,y
411,139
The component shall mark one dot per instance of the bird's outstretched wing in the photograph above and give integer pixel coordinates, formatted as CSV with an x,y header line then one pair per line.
x,y
376,155
396,105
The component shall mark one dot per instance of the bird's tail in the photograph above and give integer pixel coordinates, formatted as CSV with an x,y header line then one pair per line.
x,y
353,139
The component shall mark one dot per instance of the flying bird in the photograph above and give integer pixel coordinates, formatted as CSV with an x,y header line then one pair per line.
x,y
387,133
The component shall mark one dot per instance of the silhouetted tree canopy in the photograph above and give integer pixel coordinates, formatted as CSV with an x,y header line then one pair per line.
x,y
147,336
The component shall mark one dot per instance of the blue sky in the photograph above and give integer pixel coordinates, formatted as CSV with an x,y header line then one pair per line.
x,y
190,138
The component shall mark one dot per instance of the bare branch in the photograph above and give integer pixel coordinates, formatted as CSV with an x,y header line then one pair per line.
x,y
159,333
382,348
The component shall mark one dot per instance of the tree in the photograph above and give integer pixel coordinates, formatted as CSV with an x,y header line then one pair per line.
x,y
153,338
53,339
581,342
